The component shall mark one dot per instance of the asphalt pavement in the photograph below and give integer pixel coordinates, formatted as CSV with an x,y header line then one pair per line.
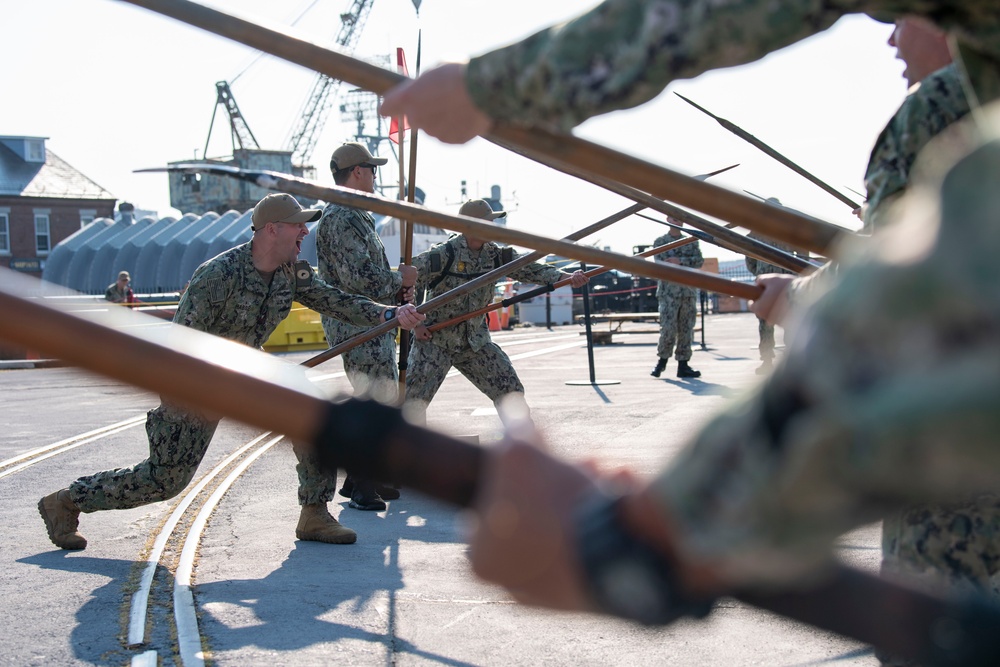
x,y
404,593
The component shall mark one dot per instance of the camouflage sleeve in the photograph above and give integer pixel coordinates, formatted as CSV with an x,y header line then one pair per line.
x,y
624,52
111,294
196,309
886,396
332,302
344,247
425,274
935,104
690,255
538,274
660,241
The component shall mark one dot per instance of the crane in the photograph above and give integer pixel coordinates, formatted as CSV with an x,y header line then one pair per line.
x,y
314,112
239,129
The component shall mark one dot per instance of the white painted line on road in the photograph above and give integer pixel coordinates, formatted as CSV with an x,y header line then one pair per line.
x,y
140,600
185,615
328,376
549,350
145,659
48,451
533,353
545,339
459,618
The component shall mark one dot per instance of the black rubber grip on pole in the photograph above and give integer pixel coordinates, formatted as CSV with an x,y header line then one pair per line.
x,y
373,440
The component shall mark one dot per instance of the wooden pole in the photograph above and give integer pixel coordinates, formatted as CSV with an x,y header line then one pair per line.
x,y
373,440
537,143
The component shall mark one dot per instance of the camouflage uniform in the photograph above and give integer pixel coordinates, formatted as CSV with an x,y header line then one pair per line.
x,y
467,346
678,312
115,295
622,53
759,267
888,394
351,257
229,298
929,107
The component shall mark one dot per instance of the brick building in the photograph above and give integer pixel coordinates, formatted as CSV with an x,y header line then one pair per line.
x,y
43,200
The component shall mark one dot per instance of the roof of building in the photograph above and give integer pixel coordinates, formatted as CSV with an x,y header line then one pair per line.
x,y
53,178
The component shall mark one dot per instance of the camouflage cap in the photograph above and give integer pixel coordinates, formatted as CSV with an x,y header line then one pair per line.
x,y
281,207
479,208
125,275
353,154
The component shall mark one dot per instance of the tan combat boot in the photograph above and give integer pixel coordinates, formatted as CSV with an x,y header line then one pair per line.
x,y
62,518
316,525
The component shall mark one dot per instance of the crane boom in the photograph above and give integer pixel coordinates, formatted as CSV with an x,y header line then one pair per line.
x,y
239,130
315,110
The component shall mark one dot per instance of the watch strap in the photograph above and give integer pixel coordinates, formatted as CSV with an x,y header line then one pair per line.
x,y
626,576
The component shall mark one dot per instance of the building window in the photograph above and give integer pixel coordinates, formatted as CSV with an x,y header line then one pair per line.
x,y
35,150
4,231
87,216
42,241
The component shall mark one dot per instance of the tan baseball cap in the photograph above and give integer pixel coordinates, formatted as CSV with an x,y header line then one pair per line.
x,y
125,275
353,154
281,207
478,208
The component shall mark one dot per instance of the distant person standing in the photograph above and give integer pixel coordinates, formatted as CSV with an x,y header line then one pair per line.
x,y
759,267
352,257
677,307
467,345
119,291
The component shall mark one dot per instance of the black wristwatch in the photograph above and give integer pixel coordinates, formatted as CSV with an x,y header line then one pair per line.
x,y
626,576
389,314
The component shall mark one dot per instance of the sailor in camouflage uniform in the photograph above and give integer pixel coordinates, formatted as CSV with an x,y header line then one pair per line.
x,y
887,394
352,257
467,345
242,294
678,312
759,267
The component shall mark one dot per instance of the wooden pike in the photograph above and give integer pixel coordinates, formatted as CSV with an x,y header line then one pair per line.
x,y
491,276
474,284
724,236
537,143
518,298
373,440
757,143
473,227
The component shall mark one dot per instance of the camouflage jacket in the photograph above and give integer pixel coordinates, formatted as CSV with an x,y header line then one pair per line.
x,y
930,107
229,298
624,52
352,257
432,265
689,255
115,295
759,267
888,395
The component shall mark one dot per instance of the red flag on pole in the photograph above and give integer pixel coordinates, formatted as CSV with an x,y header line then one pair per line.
x,y
394,123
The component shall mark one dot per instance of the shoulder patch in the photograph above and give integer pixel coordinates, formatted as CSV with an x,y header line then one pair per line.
x,y
216,290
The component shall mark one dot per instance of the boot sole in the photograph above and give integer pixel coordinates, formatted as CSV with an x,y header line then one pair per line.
x,y
48,529
340,539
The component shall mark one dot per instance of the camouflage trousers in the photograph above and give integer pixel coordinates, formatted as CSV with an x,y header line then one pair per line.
x,y
766,346
944,549
177,443
370,366
371,369
489,369
677,319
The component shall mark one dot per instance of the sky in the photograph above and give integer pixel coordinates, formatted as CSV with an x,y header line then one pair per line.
x,y
117,88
